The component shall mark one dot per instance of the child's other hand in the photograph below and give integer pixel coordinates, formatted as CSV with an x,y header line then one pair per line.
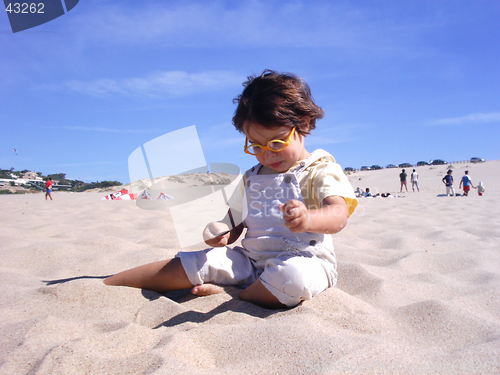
x,y
296,215
211,234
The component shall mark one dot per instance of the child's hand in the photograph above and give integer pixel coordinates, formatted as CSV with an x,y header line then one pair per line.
x,y
296,215
216,234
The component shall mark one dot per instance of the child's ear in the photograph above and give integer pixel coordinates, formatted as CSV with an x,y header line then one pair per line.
x,y
305,125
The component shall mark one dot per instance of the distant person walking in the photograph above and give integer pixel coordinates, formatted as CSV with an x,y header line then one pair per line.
x,y
48,188
402,178
480,188
414,181
448,181
467,183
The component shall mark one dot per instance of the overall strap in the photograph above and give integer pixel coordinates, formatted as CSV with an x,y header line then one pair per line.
x,y
254,170
317,154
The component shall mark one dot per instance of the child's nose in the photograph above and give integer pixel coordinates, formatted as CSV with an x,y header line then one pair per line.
x,y
268,154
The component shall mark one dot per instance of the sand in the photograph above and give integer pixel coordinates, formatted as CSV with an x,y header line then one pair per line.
x,y
418,291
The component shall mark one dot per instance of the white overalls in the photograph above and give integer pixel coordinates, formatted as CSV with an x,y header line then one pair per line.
x,y
292,266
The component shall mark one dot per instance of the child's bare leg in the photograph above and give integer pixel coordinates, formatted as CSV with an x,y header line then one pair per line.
x,y
162,277
257,293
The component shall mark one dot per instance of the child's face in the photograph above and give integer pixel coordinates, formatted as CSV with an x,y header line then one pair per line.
x,y
277,161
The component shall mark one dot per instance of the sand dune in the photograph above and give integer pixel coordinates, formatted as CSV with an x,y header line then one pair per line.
x,y
418,291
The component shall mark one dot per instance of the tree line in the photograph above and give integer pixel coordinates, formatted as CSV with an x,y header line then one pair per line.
x,y
74,185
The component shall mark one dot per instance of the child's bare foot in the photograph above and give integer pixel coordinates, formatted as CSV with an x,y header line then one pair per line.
x,y
206,289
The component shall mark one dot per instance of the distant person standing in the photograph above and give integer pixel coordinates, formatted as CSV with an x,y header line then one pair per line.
x,y
467,183
48,188
448,181
414,180
402,178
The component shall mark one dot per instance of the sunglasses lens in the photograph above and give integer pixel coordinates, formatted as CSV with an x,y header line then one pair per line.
x,y
256,150
276,146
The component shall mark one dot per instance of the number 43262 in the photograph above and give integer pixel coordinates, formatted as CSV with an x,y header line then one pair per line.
x,y
25,8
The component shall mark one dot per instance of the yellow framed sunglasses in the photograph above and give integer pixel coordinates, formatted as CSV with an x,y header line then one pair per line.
x,y
276,145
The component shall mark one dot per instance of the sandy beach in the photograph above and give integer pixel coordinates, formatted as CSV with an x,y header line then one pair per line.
x,y
418,290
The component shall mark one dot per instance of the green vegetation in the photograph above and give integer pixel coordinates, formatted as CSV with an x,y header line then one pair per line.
x,y
5,173
3,191
93,185
58,179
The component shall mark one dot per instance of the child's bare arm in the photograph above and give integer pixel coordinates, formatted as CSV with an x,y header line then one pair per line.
x,y
330,218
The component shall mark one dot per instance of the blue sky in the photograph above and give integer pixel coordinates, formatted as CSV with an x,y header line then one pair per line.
x,y
400,81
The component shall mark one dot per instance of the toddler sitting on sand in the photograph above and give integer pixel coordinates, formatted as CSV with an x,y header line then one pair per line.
x,y
295,200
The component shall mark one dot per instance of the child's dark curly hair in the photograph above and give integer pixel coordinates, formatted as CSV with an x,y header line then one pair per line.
x,y
277,99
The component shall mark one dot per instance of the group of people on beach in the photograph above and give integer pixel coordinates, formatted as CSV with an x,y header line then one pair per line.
x,y
465,183
414,180
360,193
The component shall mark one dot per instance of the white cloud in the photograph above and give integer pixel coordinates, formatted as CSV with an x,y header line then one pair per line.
x,y
161,84
473,118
